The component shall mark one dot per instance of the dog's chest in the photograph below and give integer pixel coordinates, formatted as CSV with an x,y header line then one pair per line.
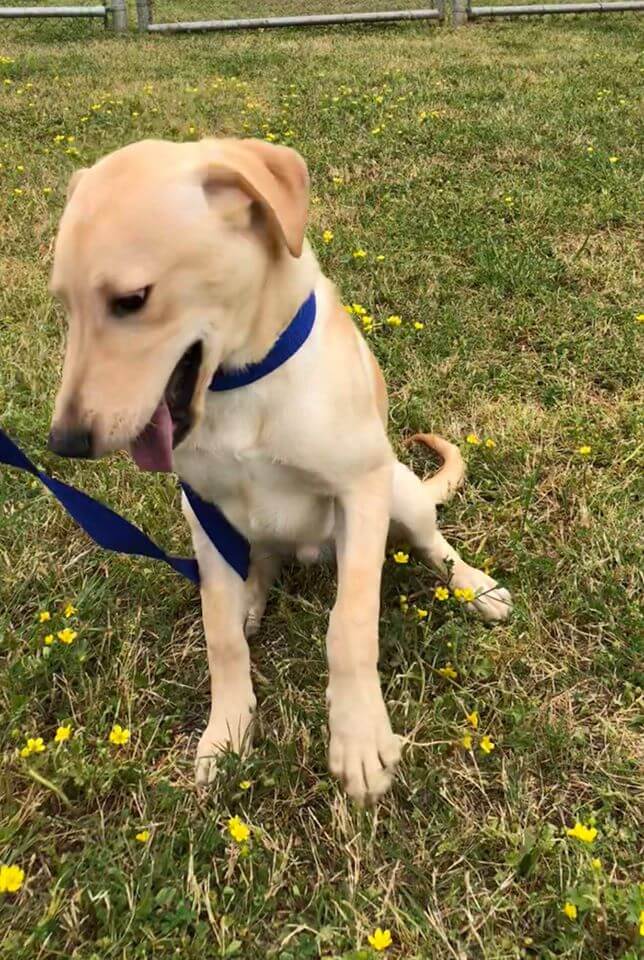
x,y
251,465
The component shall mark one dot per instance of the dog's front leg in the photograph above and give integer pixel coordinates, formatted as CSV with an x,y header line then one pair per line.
x,y
363,751
224,606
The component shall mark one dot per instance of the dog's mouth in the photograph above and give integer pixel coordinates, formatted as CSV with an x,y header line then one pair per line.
x,y
173,419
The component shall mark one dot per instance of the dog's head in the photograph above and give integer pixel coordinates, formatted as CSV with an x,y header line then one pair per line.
x,y
162,250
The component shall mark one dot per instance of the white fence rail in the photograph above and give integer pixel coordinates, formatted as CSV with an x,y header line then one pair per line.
x,y
545,9
114,13
311,20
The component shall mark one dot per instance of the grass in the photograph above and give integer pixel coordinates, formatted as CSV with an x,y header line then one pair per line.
x,y
518,247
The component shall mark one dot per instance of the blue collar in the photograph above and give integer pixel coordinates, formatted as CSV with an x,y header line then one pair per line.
x,y
288,343
113,532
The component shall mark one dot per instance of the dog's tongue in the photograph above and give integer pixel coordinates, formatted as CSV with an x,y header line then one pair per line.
x,y
152,449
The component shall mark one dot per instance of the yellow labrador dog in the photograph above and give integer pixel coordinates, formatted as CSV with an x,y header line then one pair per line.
x,y
178,260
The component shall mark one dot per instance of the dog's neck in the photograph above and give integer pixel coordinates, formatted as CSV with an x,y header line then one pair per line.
x,y
286,286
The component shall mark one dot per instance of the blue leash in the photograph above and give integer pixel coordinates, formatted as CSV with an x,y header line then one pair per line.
x,y
112,532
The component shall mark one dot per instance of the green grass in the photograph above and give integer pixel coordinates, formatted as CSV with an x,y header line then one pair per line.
x,y
530,338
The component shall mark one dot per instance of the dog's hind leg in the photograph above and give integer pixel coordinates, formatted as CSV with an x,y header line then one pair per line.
x,y
414,509
264,568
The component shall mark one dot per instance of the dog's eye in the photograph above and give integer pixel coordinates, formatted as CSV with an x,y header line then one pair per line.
x,y
130,303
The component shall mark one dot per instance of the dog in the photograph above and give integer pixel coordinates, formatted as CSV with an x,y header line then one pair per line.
x,y
174,261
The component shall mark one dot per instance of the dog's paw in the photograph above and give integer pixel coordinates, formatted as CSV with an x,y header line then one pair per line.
x,y
254,620
363,750
491,602
230,728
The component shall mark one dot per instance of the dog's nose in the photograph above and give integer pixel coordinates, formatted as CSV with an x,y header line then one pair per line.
x,y
75,442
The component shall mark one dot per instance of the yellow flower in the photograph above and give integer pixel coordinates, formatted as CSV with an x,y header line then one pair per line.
x,y
239,831
596,863
441,593
34,745
69,610
245,784
448,671
473,719
487,746
11,878
490,443
44,616
418,325
358,309
613,159
380,257
49,639
380,939
570,910
466,741
376,131
119,735
337,181
590,149
46,190
401,557
421,614
639,317
641,923
393,321
584,451
67,635
580,832
327,236
359,254
143,836
464,594
472,438
63,733
18,192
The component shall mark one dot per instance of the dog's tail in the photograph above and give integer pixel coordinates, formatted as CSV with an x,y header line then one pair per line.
x,y
451,474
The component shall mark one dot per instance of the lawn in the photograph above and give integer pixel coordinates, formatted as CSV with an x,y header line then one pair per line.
x,y
492,179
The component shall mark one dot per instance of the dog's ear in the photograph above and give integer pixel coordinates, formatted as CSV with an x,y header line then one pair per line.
x,y
275,177
74,180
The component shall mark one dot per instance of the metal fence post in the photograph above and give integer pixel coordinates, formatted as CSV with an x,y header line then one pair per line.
x,y
143,15
459,12
119,15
